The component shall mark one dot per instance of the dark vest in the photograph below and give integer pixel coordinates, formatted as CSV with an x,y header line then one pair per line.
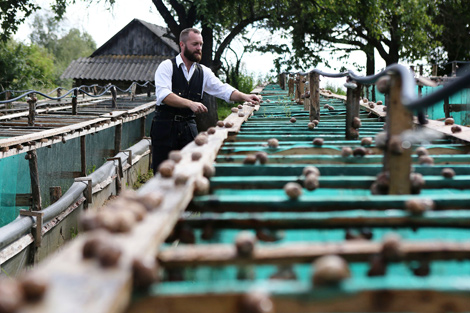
x,y
191,89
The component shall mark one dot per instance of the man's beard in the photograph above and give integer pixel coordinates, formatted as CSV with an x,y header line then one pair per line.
x,y
192,56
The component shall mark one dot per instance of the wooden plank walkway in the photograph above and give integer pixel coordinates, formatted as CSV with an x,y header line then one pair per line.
x,y
248,246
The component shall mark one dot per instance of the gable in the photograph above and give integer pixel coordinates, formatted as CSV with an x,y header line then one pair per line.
x,y
138,38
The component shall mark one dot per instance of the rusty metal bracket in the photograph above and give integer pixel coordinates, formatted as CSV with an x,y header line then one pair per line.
x,y
120,172
89,193
129,157
37,233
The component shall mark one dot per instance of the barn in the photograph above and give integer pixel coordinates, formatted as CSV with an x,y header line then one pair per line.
x,y
133,54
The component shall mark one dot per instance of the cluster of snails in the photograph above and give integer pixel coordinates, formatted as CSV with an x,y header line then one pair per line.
x,y
224,124
311,177
261,157
29,288
454,128
313,124
371,104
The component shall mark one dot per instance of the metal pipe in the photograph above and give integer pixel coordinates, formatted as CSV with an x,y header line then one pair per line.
x,y
23,224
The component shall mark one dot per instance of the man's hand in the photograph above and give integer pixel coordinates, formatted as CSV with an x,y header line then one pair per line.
x,y
197,107
238,96
251,98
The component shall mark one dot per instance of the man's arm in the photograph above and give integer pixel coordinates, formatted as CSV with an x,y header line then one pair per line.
x,y
178,102
238,96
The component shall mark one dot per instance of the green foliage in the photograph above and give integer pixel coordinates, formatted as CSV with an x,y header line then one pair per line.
x,y
12,14
241,81
65,49
142,179
335,89
223,109
453,18
25,66
396,29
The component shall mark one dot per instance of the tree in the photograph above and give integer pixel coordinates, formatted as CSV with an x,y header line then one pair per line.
x,y
397,29
220,21
453,17
24,67
12,14
73,45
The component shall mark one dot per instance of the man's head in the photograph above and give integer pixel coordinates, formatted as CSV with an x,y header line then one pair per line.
x,y
191,44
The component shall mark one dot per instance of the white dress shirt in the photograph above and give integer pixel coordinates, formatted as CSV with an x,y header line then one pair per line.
x,y
211,84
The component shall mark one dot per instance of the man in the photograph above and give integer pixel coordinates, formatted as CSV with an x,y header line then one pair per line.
x,y
180,83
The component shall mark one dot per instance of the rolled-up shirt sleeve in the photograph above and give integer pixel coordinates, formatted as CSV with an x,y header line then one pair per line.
x,y
214,87
163,76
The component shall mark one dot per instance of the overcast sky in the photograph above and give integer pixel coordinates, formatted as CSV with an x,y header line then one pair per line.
x,y
102,23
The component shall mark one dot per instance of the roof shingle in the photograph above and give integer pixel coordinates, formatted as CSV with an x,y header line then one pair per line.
x,y
114,67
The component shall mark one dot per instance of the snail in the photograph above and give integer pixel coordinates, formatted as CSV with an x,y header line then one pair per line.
x,y
293,190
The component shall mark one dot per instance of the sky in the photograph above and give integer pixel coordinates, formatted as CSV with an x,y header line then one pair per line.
x,y
103,22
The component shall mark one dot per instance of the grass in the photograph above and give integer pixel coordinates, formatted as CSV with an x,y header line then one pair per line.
x,y
335,89
142,179
224,109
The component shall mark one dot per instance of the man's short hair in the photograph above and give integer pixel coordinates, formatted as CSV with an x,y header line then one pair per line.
x,y
185,33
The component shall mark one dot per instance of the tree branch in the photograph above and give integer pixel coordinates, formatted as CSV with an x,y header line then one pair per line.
x,y
174,27
233,33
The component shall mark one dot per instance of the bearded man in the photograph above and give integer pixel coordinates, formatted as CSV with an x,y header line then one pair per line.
x,y
180,83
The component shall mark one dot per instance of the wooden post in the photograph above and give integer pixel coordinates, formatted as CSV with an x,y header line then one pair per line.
x,y
352,111
55,192
143,120
446,107
74,101
307,94
434,70
32,109
291,86
297,88
454,68
7,95
420,86
133,88
301,89
282,81
83,156
397,155
59,94
95,90
149,90
32,157
314,86
113,97
117,138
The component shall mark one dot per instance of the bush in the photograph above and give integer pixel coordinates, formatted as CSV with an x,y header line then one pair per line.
x,y
25,67
335,89
243,82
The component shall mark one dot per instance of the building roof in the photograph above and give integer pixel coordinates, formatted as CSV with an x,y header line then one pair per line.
x,y
140,38
114,67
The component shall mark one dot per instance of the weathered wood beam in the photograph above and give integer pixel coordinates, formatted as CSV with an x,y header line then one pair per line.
x,y
314,86
420,300
351,251
32,157
397,155
352,113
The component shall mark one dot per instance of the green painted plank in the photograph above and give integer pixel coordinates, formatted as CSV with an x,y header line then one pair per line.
x,y
327,170
323,199
303,289
432,182
318,158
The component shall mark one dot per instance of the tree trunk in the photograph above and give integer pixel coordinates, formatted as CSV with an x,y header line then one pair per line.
x,y
208,38
370,66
